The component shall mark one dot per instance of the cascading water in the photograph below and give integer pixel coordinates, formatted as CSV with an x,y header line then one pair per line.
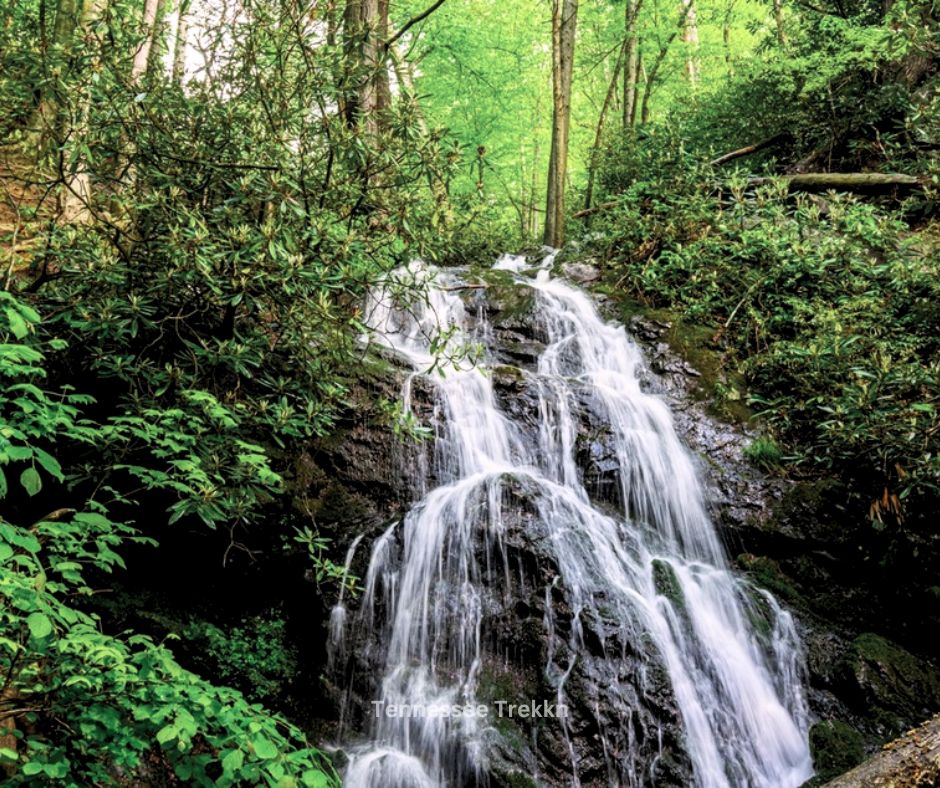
x,y
656,571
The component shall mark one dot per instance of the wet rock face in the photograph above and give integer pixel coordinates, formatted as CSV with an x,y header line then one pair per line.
x,y
618,697
790,539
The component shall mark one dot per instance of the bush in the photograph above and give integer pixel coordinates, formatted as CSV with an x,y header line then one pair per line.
x,y
829,306
84,706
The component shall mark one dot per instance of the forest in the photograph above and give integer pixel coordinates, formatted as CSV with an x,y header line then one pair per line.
x,y
357,353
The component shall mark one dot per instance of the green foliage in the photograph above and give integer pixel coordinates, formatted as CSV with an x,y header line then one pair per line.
x,y
256,656
847,91
87,706
827,305
764,452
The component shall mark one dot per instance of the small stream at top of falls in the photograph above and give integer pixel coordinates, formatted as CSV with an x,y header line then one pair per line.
x,y
652,569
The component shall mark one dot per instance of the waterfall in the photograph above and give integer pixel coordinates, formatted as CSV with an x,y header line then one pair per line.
x,y
653,568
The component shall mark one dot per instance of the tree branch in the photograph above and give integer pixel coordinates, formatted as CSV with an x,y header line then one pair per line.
x,y
413,21
747,150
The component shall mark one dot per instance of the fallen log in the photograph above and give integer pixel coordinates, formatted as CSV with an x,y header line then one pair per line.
x,y
846,181
588,211
908,762
747,150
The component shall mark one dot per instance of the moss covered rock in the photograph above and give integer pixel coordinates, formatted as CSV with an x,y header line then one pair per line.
x,y
889,684
836,748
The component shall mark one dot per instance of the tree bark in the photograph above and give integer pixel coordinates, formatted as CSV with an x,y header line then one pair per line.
x,y
778,18
147,26
726,37
47,118
367,89
747,150
690,37
179,45
564,24
631,57
847,181
599,132
657,63
74,197
912,760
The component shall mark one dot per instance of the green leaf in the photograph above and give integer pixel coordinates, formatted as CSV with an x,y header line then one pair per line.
x,y
315,779
39,625
18,452
167,733
264,748
50,463
18,326
233,760
31,481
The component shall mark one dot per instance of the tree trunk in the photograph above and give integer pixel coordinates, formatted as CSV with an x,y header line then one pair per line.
x,y
383,88
650,80
74,197
914,759
147,26
726,37
690,38
631,57
408,93
778,18
640,77
599,132
564,24
179,45
365,28
534,184
47,118
848,181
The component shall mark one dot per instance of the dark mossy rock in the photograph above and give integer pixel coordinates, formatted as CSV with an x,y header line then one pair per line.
x,y
767,573
667,584
836,747
889,684
508,379
815,511
508,304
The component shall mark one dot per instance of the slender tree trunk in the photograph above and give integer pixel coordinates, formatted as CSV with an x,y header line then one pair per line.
x,y
147,26
599,132
47,117
382,83
631,56
408,93
726,37
690,38
159,40
352,51
365,24
640,76
369,83
74,197
564,24
778,18
534,184
406,84
179,45
650,78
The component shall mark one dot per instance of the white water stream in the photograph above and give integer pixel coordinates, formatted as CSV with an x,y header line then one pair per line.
x,y
739,693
